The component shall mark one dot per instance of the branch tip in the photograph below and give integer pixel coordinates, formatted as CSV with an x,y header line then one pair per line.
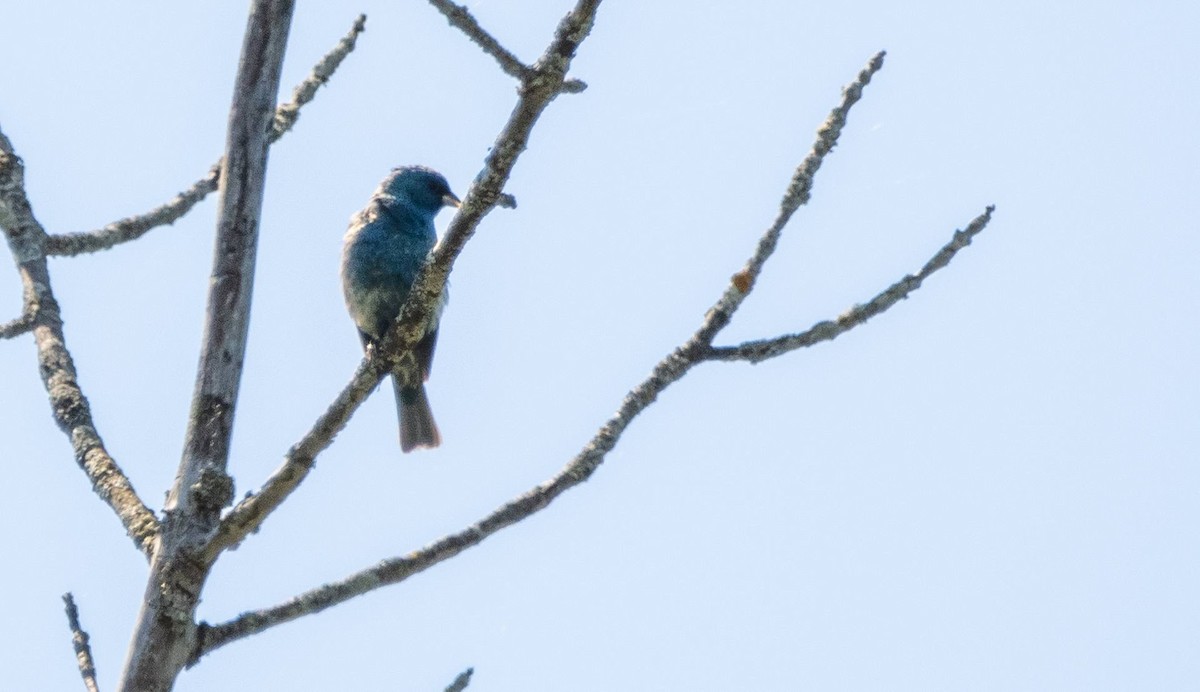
x,y
460,683
83,650
287,114
827,330
574,86
797,194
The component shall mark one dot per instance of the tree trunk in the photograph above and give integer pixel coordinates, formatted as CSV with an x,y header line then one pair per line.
x,y
164,638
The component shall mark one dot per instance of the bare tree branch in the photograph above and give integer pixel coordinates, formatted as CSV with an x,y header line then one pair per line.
x,y
460,683
287,114
166,629
395,570
757,351
134,227
484,194
249,514
798,193
26,239
184,547
17,327
460,17
669,370
83,651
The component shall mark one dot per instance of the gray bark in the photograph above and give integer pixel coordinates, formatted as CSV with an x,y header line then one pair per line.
x,y
165,633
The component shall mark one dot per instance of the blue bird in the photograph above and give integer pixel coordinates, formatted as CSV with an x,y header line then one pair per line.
x,y
385,246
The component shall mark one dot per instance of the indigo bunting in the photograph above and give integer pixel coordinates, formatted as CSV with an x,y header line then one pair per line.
x,y
385,247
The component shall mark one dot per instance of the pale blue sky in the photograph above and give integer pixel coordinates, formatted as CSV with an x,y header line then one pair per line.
x,y
994,486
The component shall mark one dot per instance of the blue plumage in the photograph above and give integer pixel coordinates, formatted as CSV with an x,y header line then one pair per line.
x,y
385,247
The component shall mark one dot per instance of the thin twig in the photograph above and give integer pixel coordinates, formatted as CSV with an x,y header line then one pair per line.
x,y
460,683
483,195
287,114
395,570
29,290
763,349
17,327
461,18
668,371
797,194
27,240
134,227
250,512
83,651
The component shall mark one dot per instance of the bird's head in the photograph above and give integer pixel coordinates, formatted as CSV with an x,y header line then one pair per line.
x,y
424,188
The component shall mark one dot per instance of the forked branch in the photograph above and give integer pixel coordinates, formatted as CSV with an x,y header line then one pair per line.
x,y
461,18
764,349
670,369
27,241
484,194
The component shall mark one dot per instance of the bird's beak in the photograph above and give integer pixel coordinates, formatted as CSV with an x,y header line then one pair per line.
x,y
450,200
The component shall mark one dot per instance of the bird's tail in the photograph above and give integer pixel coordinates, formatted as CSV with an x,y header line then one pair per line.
x,y
417,428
